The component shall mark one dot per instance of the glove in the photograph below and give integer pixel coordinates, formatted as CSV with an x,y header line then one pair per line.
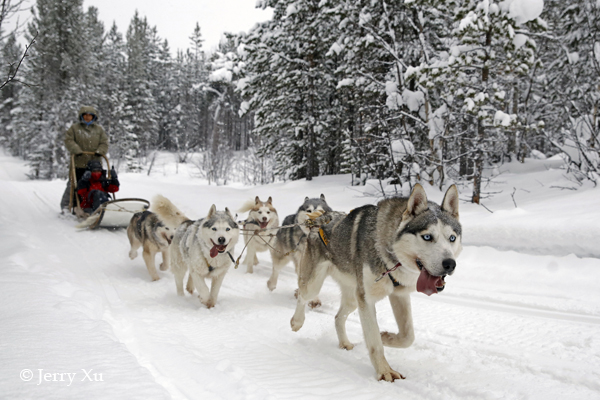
x,y
113,173
86,176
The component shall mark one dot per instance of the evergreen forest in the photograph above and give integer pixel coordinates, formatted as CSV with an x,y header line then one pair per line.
x,y
395,91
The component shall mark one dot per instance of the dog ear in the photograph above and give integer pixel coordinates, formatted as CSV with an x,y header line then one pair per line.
x,y
212,211
417,202
256,200
322,197
450,202
306,199
270,200
230,214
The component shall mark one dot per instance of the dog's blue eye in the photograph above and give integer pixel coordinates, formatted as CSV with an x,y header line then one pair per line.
x,y
227,230
427,238
452,238
214,229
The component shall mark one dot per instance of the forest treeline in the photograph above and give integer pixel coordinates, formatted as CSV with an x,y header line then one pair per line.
x,y
396,91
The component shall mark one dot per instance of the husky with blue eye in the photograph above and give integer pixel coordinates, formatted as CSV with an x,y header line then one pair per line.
x,y
204,248
399,246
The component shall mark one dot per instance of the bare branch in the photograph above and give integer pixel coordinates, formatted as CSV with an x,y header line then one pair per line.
x,y
12,73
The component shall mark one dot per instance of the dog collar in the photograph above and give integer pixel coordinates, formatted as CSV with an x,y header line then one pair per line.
x,y
388,273
230,256
211,268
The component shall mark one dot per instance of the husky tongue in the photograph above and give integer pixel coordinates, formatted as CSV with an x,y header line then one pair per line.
x,y
263,225
428,283
216,249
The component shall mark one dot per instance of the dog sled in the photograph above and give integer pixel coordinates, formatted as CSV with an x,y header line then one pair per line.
x,y
113,214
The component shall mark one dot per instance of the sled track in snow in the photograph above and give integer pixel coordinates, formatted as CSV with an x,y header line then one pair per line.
x,y
518,309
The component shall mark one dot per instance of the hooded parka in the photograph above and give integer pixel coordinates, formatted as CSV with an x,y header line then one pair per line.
x,y
86,137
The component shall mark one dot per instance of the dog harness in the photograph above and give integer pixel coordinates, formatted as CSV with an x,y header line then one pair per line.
x,y
388,273
211,268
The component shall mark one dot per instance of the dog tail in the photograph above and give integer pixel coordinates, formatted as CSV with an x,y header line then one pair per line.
x,y
247,206
167,211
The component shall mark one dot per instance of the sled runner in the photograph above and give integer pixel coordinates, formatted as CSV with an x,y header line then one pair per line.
x,y
112,214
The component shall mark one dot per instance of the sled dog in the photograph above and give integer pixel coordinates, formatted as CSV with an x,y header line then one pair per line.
x,y
290,241
392,249
147,231
202,248
259,229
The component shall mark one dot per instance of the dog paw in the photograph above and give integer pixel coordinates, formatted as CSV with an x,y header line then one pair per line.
x,y
296,324
389,375
132,254
155,278
315,303
163,267
346,346
271,285
209,303
249,270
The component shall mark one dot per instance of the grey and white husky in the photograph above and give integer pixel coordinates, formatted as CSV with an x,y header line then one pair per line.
x,y
392,249
147,231
203,248
259,229
290,240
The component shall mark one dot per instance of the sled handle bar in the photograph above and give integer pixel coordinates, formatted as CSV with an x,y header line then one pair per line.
x,y
73,178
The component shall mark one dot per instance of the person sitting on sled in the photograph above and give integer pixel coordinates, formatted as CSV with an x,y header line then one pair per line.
x,y
94,186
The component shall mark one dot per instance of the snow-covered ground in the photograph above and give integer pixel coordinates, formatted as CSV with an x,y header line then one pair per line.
x,y
520,318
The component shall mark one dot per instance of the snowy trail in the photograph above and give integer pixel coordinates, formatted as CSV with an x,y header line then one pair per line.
x,y
509,325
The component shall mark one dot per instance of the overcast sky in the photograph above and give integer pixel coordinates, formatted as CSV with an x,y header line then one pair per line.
x,y
175,19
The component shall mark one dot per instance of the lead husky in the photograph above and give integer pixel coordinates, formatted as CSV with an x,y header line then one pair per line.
x,y
392,249
289,241
146,230
260,229
203,248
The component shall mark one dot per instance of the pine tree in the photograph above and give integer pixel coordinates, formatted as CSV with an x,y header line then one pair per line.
x,y
140,112
291,87
111,79
490,54
11,51
55,72
574,68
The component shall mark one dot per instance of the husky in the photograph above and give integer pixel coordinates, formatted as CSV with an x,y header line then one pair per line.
x,y
391,249
260,228
146,230
202,248
290,240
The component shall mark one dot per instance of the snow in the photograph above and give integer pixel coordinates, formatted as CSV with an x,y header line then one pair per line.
x,y
502,118
523,10
518,320
345,82
413,100
221,75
